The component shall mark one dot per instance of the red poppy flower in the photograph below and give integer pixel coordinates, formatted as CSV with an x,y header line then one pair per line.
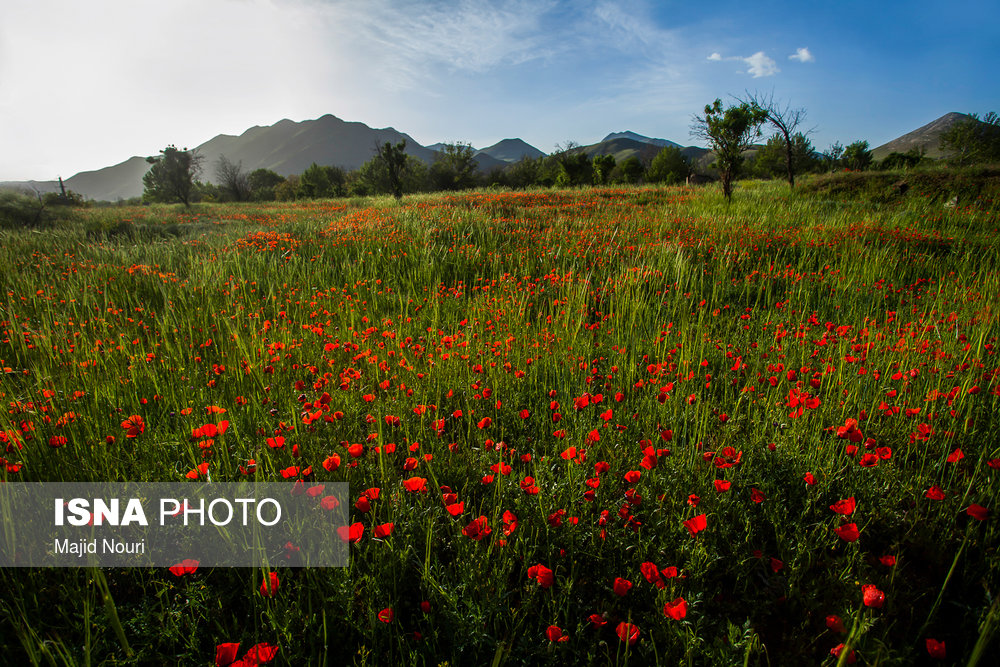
x,y
722,485
845,506
386,615
872,596
677,609
756,495
225,654
134,426
836,651
352,533
809,479
848,532
477,529
628,632
597,621
835,624
977,512
543,575
956,456
331,462
415,484
269,586
383,530
186,566
935,493
696,524
936,649
622,586
555,634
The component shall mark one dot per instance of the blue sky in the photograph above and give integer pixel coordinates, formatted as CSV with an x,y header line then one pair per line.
x,y
84,85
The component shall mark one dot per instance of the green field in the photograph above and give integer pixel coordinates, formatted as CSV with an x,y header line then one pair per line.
x,y
651,427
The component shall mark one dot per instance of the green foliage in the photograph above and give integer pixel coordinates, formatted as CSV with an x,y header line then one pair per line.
x,y
172,176
857,156
318,182
454,168
385,170
729,131
288,189
19,209
907,160
971,140
574,167
262,184
771,160
631,170
603,167
670,166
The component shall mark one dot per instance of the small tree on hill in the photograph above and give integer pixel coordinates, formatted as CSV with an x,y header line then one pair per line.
x,y
729,132
172,175
972,140
857,156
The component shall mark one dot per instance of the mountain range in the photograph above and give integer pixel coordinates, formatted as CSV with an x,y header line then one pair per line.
x,y
289,147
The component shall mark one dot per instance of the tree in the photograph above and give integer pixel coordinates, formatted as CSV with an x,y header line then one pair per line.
x,y
771,161
603,167
630,170
390,160
454,167
857,156
575,168
729,132
786,120
833,155
172,175
669,166
262,184
972,140
318,181
232,179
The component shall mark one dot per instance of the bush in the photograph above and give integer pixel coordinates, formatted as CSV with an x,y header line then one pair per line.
x,y
18,210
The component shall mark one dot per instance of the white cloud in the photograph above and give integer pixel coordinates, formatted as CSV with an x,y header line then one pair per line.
x,y
761,65
802,55
715,56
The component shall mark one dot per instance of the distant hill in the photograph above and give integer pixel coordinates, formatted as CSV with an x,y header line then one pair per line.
x,y
927,137
628,134
512,150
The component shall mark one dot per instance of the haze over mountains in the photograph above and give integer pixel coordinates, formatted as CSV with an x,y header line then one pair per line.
x,y
289,147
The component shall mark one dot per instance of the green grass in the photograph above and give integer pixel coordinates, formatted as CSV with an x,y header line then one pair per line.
x,y
689,316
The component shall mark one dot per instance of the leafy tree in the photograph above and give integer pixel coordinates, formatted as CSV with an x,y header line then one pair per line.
x,y
172,175
322,181
786,120
669,166
454,168
771,161
389,162
575,168
262,184
857,156
232,179
973,140
288,189
729,132
631,170
603,167
833,155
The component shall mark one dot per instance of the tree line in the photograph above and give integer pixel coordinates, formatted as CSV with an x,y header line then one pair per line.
x,y
732,134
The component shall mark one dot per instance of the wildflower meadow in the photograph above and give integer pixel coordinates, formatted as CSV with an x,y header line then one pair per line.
x,y
635,425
